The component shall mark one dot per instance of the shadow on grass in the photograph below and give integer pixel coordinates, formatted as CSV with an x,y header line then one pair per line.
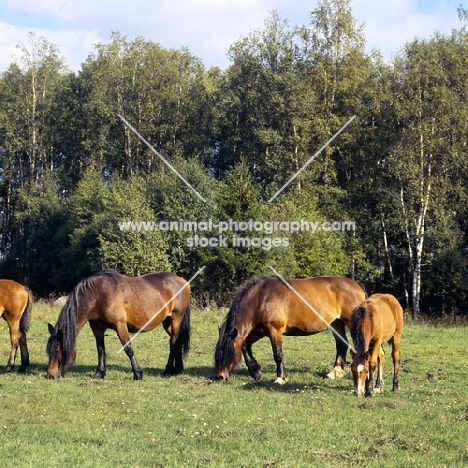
x,y
86,370
318,381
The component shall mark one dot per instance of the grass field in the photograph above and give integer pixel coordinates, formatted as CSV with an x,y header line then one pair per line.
x,y
189,420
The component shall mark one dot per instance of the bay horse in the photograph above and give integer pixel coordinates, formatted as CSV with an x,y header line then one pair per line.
x,y
272,306
15,307
376,321
126,305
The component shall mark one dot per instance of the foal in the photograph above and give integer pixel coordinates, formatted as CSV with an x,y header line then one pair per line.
x,y
376,321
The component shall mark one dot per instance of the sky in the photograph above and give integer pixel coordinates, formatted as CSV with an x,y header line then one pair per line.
x,y
205,27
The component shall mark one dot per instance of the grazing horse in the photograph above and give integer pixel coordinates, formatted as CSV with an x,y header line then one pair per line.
x,y
271,306
15,308
124,304
376,321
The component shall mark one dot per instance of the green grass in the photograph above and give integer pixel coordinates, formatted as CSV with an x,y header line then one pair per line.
x,y
189,420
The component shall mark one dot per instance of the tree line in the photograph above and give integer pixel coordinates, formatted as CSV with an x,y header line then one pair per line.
x,y
72,171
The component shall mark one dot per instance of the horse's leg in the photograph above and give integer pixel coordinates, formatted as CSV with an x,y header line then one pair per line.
x,y
177,342
15,334
24,352
373,358
277,346
342,345
174,362
253,366
370,381
396,361
98,332
380,365
122,333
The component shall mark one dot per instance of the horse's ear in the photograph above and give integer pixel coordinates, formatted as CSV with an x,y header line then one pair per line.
x,y
51,328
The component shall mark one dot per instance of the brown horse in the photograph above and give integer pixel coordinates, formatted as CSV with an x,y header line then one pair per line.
x,y
123,304
273,307
15,308
376,321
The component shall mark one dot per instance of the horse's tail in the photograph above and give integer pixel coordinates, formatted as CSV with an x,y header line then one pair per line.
x,y
183,339
26,317
363,286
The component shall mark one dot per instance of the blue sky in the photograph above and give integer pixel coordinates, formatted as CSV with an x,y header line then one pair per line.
x,y
205,27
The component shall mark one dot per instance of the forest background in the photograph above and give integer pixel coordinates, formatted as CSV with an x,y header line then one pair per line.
x,y
72,171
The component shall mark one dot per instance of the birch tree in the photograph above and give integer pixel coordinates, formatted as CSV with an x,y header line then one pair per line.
x,y
28,108
430,125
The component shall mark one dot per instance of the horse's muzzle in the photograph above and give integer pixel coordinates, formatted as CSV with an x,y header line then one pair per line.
x,y
221,377
53,376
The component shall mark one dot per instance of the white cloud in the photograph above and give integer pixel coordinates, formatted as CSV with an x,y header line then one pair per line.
x,y
389,25
206,27
75,45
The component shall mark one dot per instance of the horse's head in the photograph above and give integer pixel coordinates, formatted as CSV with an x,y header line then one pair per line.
x,y
58,361
227,353
359,368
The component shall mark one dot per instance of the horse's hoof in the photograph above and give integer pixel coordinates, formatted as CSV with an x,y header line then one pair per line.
x,y
336,373
256,374
281,380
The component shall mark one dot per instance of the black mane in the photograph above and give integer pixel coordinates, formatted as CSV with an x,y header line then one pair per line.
x,y
225,352
89,283
360,315
234,309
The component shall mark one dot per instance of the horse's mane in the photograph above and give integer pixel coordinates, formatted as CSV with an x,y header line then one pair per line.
x,y
89,284
361,314
65,329
225,352
234,309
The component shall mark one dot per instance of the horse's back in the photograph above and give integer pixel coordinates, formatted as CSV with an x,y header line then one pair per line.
x,y
13,296
147,294
162,279
167,284
336,294
163,283
307,305
390,314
